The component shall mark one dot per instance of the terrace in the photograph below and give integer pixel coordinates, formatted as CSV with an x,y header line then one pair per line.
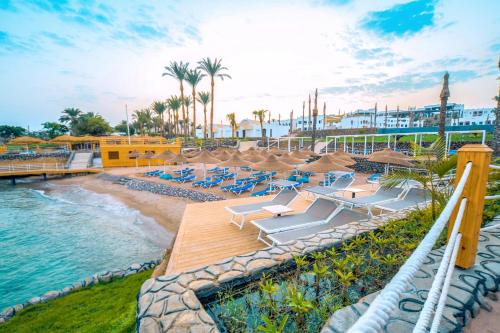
x,y
213,257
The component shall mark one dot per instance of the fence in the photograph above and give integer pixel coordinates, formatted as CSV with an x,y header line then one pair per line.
x,y
392,140
464,212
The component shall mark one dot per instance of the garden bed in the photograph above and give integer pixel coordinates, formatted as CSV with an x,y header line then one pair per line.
x,y
304,295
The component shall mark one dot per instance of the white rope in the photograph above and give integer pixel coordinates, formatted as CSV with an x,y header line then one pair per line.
x,y
496,167
433,296
492,197
377,315
446,286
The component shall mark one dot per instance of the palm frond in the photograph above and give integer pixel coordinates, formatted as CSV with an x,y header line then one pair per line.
x,y
444,166
402,176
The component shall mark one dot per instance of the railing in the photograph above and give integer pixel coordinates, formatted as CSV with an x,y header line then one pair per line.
x,y
30,167
497,196
470,187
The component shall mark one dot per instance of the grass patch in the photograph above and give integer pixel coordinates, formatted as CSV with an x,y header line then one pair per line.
x,y
106,307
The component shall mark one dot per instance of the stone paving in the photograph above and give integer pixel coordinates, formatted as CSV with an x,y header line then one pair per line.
x,y
171,303
468,292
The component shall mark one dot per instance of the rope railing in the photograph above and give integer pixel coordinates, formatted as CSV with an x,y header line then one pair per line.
x,y
380,310
493,197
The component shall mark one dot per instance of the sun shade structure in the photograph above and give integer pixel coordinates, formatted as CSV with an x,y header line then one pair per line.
x,y
286,158
276,151
179,159
272,164
165,156
253,158
388,156
26,140
341,158
205,158
235,161
65,139
223,156
323,165
135,154
299,154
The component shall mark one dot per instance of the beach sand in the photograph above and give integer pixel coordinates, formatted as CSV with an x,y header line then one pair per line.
x,y
166,211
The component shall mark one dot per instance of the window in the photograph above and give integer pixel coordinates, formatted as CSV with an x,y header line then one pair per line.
x,y
113,155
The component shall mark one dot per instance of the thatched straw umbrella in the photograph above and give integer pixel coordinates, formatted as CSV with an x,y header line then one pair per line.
x,y
147,156
388,156
341,158
135,155
323,165
26,140
276,151
223,156
165,156
253,158
272,164
288,159
299,154
235,161
205,158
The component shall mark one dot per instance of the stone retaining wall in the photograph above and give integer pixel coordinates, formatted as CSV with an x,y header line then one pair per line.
x,y
162,189
172,303
29,157
466,296
103,277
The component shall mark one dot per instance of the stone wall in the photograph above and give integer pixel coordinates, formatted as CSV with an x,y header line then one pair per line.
x,y
29,157
103,277
172,303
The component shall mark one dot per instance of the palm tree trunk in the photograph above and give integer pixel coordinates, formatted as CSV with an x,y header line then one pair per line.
x,y
205,121
262,129
212,83
194,112
183,109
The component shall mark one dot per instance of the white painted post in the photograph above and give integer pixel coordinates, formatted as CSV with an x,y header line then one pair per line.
x,y
395,141
364,151
345,143
373,143
446,144
415,150
268,142
278,143
326,146
484,137
335,144
289,150
389,141
352,149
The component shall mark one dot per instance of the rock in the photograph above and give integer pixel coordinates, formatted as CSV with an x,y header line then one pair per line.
x,y
135,267
258,265
190,300
9,312
35,300
50,295
18,308
174,304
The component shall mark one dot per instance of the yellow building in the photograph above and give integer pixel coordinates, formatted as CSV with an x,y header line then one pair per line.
x,y
3,149
115,151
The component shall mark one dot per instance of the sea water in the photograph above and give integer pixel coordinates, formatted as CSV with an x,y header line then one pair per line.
x,y
54,235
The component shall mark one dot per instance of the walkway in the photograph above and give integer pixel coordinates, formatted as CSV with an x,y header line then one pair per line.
x,y
206,236
81,160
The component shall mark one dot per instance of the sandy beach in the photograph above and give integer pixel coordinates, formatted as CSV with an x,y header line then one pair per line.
x,y
166,211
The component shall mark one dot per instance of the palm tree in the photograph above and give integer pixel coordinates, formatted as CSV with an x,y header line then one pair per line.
x,y
193,77
496,131
303,114
187,103
213,69
231,117
385,117
160,107
261,114
324,115
178,71
397,116
375,116
315,117
204,99
174,103
70,116
445,93
142,119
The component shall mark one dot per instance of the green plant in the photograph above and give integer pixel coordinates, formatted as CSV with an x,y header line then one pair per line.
x,y
271,327
320,271
269,288
298,304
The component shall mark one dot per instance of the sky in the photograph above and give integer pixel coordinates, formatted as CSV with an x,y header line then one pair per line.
x,y
102,55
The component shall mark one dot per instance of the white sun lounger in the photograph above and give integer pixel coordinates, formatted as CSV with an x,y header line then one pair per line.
x,y
285,197
320,211
342,217
413,197
338,185
380,196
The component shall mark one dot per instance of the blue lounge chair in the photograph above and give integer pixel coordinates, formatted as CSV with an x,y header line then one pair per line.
x,y
186,179
228,176
257,174
292,178
166,176
214,169
244,188
374,179
200,182
211,183
303,180
228,188
246,168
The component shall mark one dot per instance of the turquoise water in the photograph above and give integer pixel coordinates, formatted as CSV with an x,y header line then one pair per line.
x,y
53,236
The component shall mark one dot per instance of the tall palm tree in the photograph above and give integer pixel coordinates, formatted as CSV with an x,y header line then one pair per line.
x,y
315,117
70,116
496,131
397,116
213,69
303,114
204,99
193,77
159,107
385,119
324,115
187,103
445,93
291,122
231,117
261,115
178,71
375,116
174,104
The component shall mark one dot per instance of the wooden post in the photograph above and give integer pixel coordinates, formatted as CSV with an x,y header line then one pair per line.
x,y
474,191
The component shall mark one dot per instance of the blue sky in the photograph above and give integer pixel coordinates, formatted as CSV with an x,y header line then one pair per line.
x,y
101,55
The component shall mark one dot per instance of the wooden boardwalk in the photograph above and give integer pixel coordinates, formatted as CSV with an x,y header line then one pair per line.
x,y
205,235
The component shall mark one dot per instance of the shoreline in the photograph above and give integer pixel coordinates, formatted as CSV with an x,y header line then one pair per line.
x,y
165,211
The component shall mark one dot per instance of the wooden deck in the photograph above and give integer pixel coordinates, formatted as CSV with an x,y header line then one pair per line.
x,y
206,236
